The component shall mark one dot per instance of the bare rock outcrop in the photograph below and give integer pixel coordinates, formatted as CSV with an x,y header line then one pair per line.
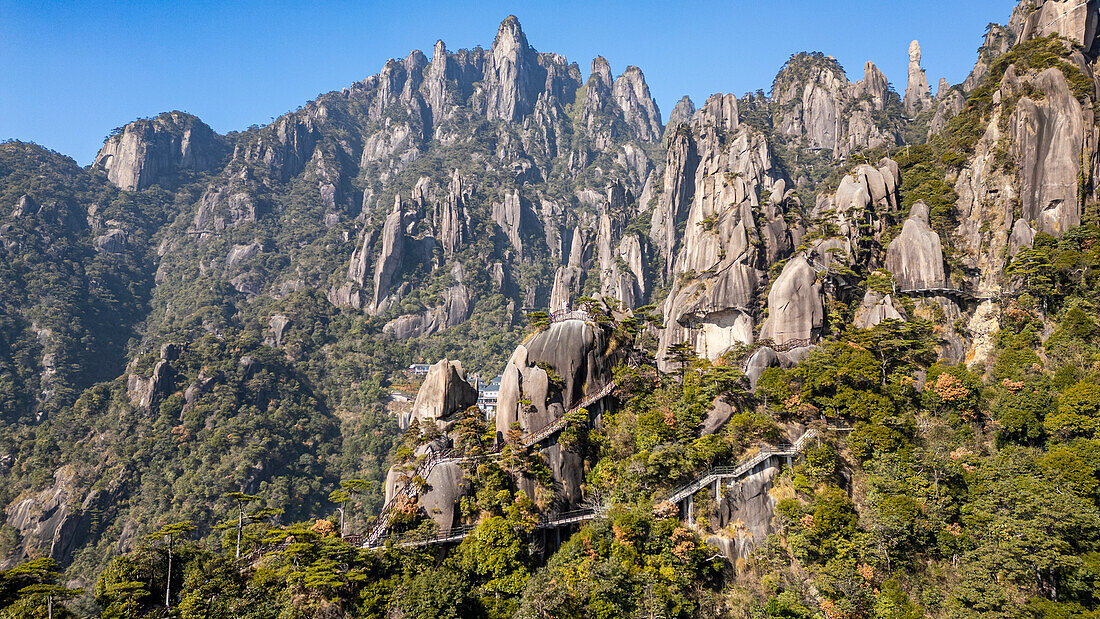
x,y
795,305
575,351
915,257
444,392
1077,20
516,77
814,106
513,217
548,375
1048,137
277,327
148,152
809,100
1022,237
748,507
861,209
55,521
113,242
391,259
875,309
681,114
717,171
145,392
949,103
639,109
918,94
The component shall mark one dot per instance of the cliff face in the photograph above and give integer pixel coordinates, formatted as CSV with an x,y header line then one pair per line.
x,y
149,152
716,172
814,106
420,212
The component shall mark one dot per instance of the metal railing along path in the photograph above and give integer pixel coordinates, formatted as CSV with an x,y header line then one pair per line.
x,y
563,315
427,465
741,470
461,532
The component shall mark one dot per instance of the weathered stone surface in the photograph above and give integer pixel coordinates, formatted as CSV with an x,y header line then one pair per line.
x,y
918,94
749,505
574,351
681,114
392,257
113,242
915,257
795,309
443,491
242,253
510,216
454,218
145,392
720,168
1076,20
719,413
516,76
873,85
1048,134
147,152
54,522
876,308
948,105
1023,236
810,102
278,326
444,392
639,109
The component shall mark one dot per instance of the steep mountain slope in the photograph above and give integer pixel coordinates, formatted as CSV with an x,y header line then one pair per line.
x,y
196,315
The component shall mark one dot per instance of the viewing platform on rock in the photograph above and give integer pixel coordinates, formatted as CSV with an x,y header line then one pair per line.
x,y
567,314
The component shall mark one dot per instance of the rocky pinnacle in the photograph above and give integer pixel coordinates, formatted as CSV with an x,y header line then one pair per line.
x,y
918,95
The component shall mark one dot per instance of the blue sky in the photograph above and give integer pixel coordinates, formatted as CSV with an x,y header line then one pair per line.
x,y
72,71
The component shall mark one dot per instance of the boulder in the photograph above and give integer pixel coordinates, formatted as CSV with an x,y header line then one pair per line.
x,y
915,257
795,307
114,242
444,489
444,392
765,357
1022,237
876,308
719,413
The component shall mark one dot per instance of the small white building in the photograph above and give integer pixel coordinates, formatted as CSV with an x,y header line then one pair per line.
x,y
487,395
419,369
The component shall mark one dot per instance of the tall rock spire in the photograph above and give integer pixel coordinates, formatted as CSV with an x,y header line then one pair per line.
x,y
639,109
918,95
512,79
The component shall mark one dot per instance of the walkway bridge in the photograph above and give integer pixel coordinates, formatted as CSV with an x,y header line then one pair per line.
x,y
682,496
715,477
434,458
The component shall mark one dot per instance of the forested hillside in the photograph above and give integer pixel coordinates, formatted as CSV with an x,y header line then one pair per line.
x,y
827,351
